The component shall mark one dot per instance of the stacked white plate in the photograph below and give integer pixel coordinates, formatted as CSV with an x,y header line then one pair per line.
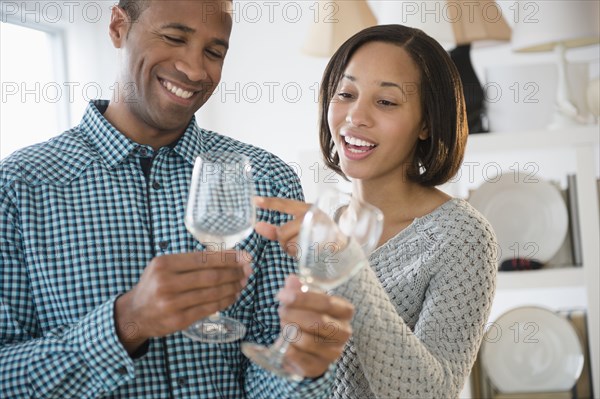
x,y
532,349
528,214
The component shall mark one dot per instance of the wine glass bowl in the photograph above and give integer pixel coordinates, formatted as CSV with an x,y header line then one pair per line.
x,y
220,212
336,236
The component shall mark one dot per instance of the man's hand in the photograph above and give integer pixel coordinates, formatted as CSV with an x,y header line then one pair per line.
x,y
176,290
324,324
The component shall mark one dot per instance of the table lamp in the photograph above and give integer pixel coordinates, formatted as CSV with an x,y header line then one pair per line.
x,y
556,26
336,22
461,23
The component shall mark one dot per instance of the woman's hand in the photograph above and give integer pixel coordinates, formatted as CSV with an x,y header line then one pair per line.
x,y
287,234
322,327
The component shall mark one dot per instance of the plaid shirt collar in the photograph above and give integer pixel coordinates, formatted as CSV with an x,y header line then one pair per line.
x,y
114,147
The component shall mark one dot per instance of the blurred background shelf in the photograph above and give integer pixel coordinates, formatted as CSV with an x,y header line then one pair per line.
x,y
543,278
534,140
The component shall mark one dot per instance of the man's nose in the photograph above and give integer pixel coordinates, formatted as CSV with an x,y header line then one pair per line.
x,y
193,66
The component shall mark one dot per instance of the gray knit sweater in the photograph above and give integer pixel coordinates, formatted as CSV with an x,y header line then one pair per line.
x,y
421,308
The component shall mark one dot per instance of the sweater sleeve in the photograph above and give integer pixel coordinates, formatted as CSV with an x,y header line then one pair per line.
x,y
435,358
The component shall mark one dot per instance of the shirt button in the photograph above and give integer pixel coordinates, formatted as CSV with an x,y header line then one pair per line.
x,y
143,152
182,382
122,370
156,185
163,245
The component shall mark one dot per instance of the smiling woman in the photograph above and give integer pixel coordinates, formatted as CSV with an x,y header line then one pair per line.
x,y
31,63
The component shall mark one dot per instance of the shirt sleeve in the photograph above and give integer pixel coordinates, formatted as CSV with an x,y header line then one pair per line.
x,y
434,358
84,360
274,266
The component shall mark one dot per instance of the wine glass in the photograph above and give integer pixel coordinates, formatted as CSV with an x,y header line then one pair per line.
x,y
220,212
336,236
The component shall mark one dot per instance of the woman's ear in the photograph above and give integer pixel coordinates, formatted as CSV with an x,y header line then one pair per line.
x,y
424,133
119,26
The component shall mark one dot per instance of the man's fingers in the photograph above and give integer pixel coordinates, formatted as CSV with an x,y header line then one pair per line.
x,y
283,205
188,316
190,261
211,295
209,258
209,278
197,297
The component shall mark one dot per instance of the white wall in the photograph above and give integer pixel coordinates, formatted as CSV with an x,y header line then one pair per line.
x,y
83,26
268,95
265,52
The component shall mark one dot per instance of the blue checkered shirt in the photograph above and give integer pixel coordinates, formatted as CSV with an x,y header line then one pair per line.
x,y
79,222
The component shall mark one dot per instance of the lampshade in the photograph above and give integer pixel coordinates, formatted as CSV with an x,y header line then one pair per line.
x,y
457,21
338,21
461,23
570,23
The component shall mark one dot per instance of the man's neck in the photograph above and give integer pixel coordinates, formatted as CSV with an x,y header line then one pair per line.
x,y
139,132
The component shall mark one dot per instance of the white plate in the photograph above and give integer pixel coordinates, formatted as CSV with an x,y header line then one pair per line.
x,y
528,215
532,349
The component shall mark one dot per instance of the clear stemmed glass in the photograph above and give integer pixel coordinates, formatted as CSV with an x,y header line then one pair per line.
x,y
337,234
220,212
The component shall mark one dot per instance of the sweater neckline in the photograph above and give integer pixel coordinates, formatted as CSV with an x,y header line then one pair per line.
x,y
452,202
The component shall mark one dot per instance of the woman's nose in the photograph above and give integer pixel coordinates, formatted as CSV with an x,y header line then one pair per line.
x,y
358,115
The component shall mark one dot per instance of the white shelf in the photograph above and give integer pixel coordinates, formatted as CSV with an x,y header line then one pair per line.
x,y
542,278
556,287
533,140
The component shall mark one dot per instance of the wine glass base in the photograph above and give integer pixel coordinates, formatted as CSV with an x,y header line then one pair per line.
x,y
216,330
265,358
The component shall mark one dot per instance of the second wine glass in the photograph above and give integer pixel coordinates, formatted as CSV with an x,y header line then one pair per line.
x,y
220,212
337,234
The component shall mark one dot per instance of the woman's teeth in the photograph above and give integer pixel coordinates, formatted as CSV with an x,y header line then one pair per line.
x,y
358,142
355,142
178,91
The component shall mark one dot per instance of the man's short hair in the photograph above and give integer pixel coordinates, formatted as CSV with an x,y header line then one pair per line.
x,y
133,8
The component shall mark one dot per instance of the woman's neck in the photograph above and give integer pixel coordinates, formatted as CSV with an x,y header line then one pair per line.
x,y
401,202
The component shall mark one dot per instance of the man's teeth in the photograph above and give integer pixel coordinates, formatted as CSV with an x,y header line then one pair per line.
x,y
178,91
358,142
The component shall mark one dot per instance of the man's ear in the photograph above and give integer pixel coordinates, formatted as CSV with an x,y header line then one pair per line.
x,y
119,26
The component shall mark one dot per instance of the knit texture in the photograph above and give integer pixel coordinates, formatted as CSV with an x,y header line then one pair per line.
x,y
421,308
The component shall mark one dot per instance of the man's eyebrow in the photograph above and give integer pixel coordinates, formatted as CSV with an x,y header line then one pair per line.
x,y
187,29
221,42
381,84
178,26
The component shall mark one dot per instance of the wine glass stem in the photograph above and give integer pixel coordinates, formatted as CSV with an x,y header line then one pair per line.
x,y
214,316
279,349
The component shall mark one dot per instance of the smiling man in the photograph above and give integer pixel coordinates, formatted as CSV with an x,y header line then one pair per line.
x,y
98,275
